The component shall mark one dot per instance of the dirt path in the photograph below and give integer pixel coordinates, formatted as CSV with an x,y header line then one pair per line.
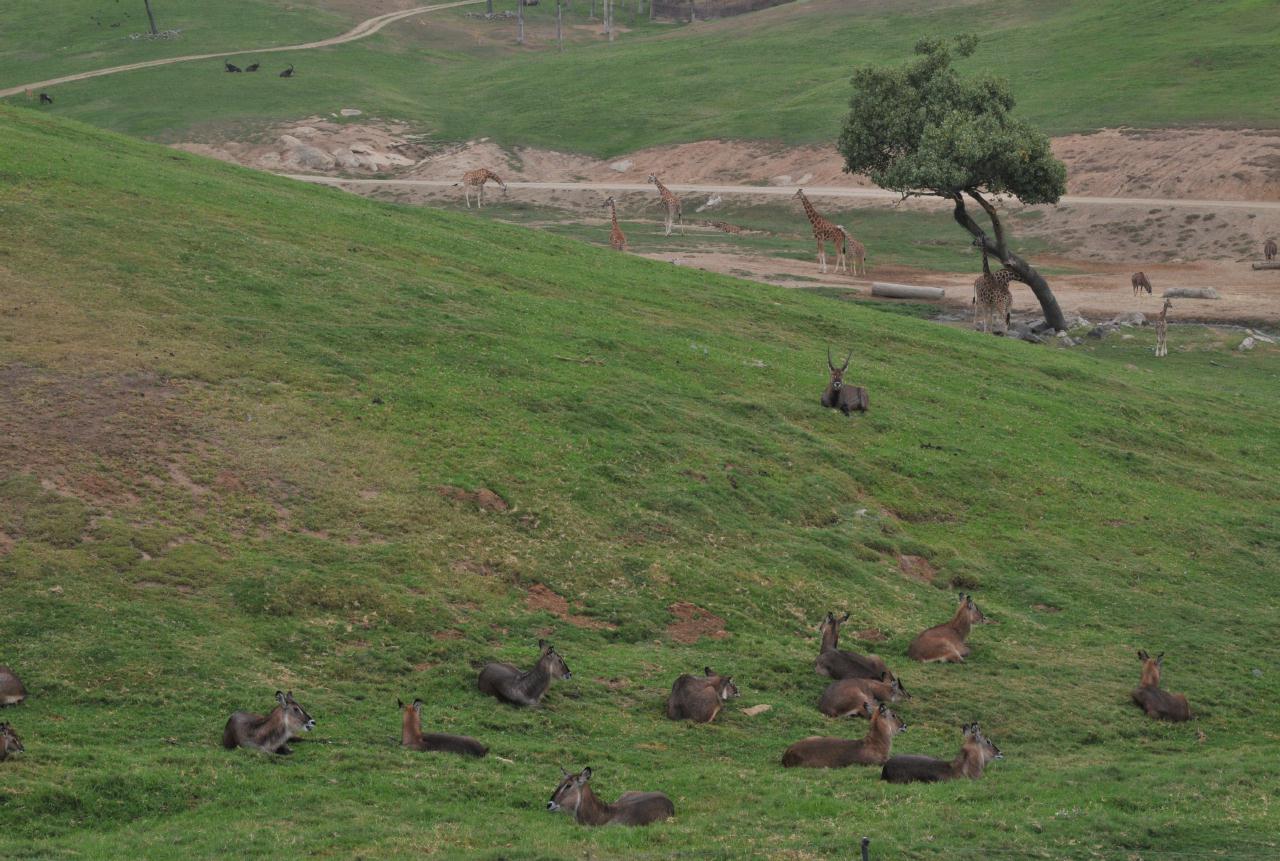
x,y
362,30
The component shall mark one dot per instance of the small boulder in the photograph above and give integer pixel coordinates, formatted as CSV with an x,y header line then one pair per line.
x,y
622,166
1132,318
1191,293
1247,344
350,112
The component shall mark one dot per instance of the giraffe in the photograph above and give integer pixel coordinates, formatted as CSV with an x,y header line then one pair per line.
x,y
616,238
854,250
671,202
991,296
476,179
1162,330
824,231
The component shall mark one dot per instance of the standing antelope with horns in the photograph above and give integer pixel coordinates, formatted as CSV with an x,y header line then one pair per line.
x,y
847,399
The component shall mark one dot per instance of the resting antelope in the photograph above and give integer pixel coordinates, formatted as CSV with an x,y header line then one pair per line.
x,y
946,642
833,662
231,67
411,735
287,73
975,752
574,796
700,698
270,733
510,684
847,399
11,690
9,741
872,749
1158,704
845,697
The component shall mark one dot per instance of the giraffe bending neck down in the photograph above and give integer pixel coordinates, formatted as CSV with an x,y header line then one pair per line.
x,y
616,237
1162,330
992,299
672,204
476,179
824,231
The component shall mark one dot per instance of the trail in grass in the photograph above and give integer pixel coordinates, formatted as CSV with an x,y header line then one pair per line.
x,y
362,30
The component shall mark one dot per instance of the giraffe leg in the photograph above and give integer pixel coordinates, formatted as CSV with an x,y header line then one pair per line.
x,y
822,257
466,191
480,197
680,217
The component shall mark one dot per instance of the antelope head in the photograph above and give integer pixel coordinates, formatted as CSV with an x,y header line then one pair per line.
x,y
837,374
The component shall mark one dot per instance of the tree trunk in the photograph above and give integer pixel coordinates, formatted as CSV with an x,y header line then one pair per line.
x,y
151,17
520,21
999,249
559,26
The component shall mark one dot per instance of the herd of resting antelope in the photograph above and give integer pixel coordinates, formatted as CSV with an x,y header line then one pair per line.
x,y
862,686
992,299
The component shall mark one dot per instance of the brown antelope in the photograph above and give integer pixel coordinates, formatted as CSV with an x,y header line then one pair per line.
x,y
844,665
975,752
847,399
1140,283
1158,704
872,749
270,733
945,642
11,690
511,685
845,697
411,735
700,698
1268,249
9,741
574,796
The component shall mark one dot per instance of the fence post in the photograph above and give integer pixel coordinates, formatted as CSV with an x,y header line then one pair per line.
x,y
520,21
559,27
866,856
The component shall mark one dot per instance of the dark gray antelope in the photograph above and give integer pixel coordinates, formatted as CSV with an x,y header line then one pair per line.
x,y
1158,704
270,733
11,690
9,741
512,685
412,737
837,664
825,752
975,752
700,698
840,396
574,796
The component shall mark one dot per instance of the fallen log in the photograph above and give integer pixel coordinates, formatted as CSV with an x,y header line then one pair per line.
x,y
905,291
1191,293
1270,264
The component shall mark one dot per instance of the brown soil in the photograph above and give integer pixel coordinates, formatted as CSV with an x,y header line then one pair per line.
x,y
693,623
916,568
871,635
542,598
484,498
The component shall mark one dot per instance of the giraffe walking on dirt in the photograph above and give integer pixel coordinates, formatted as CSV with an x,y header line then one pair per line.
x,y
616,237
992,299
671,202
1162,330
824,231
476,179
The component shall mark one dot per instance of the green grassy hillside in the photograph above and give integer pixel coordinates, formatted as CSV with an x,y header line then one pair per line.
x,y
229,403
1076,66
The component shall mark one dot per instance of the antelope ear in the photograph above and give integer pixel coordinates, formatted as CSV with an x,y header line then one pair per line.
x,y
542,644
969,601
886,676
585,775
399,703
417,705
280,697
883,708
707,671
563,772
1160,660
845,617
1143,656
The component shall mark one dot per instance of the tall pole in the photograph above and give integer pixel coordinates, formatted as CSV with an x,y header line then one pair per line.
x,y
151,17
520,21
559,26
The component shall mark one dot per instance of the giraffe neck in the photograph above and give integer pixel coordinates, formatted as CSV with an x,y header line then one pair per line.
x,y
613,214
986,265
814,218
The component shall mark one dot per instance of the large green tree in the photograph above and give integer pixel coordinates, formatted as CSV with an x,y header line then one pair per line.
x,y
923,129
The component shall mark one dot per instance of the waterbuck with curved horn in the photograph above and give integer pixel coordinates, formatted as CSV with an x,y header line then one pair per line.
x,y
574,796
411,735
872,749
975,752
270,733
839,396
1158,704
512,685
700,698
837,664
845,697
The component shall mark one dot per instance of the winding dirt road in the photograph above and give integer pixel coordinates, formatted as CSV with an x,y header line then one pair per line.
x,y
361,31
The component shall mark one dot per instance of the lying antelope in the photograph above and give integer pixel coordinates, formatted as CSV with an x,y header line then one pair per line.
x,y
945,642
844,665
411,735
975,752
700,698
872,749
1158,704
839,396
509,684
574,796
11,690
9,741
270,733
845,697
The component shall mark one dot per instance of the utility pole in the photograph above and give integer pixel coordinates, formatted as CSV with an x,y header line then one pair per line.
x,y
520,21
560,26
152,18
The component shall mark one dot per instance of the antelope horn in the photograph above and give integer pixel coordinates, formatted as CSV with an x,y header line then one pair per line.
x,y
830,364
846,361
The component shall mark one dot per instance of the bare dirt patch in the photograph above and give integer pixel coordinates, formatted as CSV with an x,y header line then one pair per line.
x,y
541,597
871,635
693,623
916,568
484,499
320,145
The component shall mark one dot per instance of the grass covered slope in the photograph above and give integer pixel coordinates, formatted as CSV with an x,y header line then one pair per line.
x,y
1076,66
229,403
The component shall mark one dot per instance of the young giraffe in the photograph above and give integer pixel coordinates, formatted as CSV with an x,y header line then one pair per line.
x,y
824,231
854,250
616,237
1162,330
671,202
476,179
991,297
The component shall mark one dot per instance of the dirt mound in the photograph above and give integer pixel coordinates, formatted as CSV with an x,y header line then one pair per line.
x,y
318,145
484,498
916,568
693,623
542,598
